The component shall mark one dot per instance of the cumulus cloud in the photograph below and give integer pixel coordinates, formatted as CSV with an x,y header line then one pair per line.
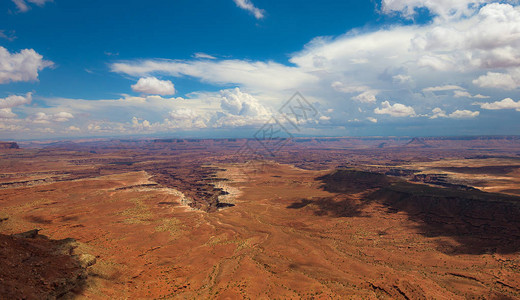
x,y
324,118
461,94
466,94
62,116
445,9
240,109
458,114
395,110
185,118
506,81
249,6
438,113
359,61
43,118
506,103
366,97
15,100
488,39
6,113
140,126
464,114
21,66
372,119
152,85
238,103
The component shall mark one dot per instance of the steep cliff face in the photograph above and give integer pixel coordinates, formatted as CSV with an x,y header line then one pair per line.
x,y
9,145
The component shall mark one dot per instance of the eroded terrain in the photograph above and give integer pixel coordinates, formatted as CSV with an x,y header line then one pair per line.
x,y
323,218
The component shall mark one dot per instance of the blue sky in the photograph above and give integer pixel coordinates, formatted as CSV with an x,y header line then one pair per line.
x,y
224,68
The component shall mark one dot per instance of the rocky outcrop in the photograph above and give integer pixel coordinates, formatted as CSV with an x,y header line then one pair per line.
x,y
9,145
441,180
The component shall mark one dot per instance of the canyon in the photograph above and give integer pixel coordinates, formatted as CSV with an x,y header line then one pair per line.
x,y
396,218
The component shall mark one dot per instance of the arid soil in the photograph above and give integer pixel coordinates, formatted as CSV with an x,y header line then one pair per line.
x,y
187,219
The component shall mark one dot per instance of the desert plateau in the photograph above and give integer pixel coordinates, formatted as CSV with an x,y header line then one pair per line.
x,y
325,218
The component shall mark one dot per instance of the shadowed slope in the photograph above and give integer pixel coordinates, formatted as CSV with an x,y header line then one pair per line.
x,y
35,267
481,222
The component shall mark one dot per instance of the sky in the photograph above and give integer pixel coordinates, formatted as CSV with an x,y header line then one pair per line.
x,y
216,69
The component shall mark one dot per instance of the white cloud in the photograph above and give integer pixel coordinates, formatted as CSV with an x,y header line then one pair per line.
x,y
371,119
6,113
240,109
9,125
462,94
43,118
249,6
325,118
458,114
396,110
152,85
506,103
228,108
62,116
443,9
186,118
15,100
255,75
458,92
21,66
23,6
442,88
486,40
73,128
466,94
202,55
506,81
464,114
438,113
366,94
358,61
242,104
400,78
366,97
341,87
141,126
40,118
